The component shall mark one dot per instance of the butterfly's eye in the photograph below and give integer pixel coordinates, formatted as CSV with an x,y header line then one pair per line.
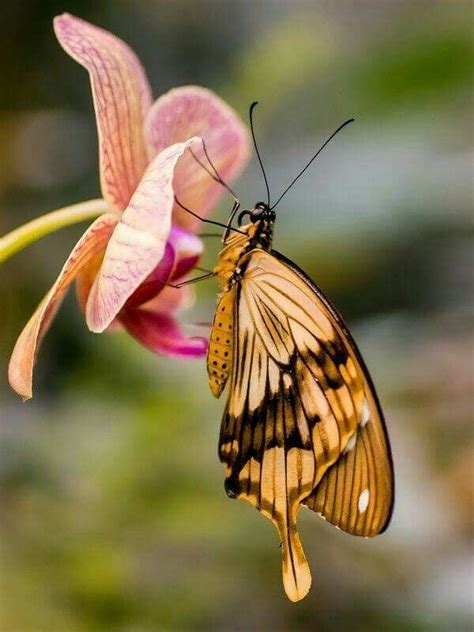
x,y
256,214
259,212
262,212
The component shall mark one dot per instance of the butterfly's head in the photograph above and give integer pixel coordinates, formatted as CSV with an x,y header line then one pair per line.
x,y
260,213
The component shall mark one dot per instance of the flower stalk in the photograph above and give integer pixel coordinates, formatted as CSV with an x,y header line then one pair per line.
x,y
23,236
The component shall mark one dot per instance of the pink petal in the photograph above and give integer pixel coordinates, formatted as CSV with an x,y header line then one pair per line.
x,y
151,287
20,370
161,334
155,281
121,98
188,249
139,240
193,111
84,282
85,279
171,299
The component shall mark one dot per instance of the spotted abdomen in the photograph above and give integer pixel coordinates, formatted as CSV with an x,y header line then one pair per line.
x,y
219,355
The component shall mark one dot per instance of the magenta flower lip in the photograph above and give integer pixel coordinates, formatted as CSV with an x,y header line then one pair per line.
x,y
125,259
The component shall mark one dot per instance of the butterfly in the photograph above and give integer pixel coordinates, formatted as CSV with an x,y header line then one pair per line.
x,y
302,425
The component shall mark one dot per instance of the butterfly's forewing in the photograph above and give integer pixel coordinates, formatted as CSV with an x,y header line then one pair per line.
x,y
357,492
301,413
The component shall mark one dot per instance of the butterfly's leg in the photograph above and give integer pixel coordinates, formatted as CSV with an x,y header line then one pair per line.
x,y
234,210
203,219
191,281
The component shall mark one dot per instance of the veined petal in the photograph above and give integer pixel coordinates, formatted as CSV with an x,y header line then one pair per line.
x,y
188,249
161,334
20,370
155,282
121,96
193,111
138,242
85,278
151,286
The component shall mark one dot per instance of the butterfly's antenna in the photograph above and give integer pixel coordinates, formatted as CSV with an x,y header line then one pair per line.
x,y
214,174
312,159
206,221
252,107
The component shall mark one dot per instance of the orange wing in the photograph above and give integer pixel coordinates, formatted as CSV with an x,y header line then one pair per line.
x,y
302,423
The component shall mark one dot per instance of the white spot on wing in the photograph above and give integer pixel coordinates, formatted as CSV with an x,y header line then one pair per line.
x,y
363,502
351,443
287,380
365,414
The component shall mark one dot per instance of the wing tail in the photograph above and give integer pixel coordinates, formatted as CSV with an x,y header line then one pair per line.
x,y
295,568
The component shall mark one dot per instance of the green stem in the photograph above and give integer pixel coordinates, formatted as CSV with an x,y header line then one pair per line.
x,y
13,242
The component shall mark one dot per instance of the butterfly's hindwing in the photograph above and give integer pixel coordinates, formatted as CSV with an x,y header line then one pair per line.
x,y
352,495
300,402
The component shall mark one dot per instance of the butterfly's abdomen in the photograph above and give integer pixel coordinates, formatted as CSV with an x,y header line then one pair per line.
x,y
219,355
227,271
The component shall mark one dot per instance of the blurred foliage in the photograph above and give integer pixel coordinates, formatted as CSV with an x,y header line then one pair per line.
x,y
113,511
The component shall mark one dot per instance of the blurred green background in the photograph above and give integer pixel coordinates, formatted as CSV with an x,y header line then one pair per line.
x,y
113,513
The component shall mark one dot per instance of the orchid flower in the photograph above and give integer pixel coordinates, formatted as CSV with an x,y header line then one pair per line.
x,y
141,241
